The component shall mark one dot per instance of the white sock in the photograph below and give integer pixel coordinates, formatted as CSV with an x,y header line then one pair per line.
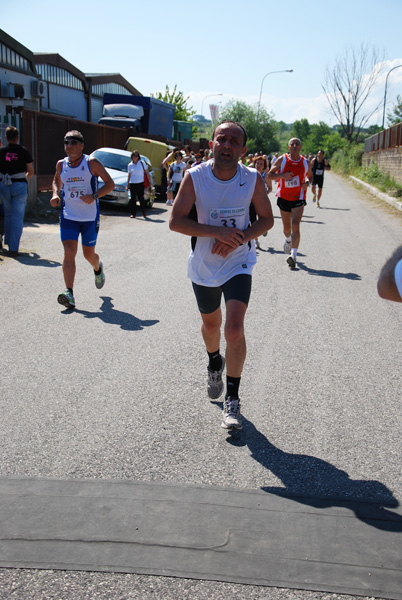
x,y
289,239
294,253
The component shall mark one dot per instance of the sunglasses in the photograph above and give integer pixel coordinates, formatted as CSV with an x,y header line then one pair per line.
x,y
73,142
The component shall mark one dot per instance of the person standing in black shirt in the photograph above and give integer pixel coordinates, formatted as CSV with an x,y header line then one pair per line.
x,y
15,169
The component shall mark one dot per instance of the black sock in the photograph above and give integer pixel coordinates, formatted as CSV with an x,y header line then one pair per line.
x,y
98,272
215,360
232,386
71,290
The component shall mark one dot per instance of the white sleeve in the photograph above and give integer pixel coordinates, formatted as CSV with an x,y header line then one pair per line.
x,y
398,277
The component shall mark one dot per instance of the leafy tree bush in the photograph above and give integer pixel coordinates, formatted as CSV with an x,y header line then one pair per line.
x,y
182,112
383,181
348,160
262,133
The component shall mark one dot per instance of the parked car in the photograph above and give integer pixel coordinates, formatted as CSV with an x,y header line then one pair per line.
x,y
116,162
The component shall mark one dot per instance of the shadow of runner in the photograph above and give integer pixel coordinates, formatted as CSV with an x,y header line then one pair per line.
x,y
34,260
317,483
325,273
108,314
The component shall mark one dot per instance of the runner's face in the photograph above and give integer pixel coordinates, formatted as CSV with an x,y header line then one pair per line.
x,y
320,156
259,165
73,150
294,146
227,145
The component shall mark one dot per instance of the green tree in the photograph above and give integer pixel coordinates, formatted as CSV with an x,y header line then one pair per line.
x,y
332,142
395,116
301,129
261,133
315,139
182,112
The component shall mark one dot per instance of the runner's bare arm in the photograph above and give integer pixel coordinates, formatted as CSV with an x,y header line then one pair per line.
x,y
182,223
274,173
56,185
263,208
99,170
386,286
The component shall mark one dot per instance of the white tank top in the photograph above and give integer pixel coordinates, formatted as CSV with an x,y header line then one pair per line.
x,y
78,181
221,203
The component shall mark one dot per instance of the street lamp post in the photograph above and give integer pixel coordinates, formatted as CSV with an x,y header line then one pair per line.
x,y
209,95
262,83
385,92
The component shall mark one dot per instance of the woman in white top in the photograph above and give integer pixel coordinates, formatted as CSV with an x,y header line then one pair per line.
x,y
175,177
135,182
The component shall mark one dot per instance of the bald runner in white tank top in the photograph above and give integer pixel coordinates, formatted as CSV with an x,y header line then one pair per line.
x,y
222,203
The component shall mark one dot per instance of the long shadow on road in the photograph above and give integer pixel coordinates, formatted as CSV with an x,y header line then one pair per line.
x,y
108,314
317,483
325,273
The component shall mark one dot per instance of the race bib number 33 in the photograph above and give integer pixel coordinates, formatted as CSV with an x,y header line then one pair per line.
x,y
228,217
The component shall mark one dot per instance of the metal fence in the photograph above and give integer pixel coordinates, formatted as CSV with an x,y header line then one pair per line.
x,y
388,138
43,135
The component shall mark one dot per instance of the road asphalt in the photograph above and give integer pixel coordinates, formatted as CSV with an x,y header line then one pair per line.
x,y
116,390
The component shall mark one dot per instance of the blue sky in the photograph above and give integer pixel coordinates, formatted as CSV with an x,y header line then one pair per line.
x,y
221,47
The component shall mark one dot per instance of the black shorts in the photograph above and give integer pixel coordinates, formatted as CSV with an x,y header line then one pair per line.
x,y
318,180
209,298
287,205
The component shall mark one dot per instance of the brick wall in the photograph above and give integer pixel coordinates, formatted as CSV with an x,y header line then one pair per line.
x,y
388,161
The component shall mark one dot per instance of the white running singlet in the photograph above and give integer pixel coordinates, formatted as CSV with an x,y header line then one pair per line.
x,y
225,204
78,181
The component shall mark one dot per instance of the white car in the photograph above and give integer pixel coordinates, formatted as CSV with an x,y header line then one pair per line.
x,y
116,162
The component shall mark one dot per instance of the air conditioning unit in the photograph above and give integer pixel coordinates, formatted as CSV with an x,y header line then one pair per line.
x,y
19,91
38,88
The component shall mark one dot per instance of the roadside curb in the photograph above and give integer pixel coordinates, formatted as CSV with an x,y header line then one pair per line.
x,y
373,190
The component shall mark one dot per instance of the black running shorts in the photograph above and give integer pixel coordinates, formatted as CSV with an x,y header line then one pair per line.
x,y
209,298
287,205
318,180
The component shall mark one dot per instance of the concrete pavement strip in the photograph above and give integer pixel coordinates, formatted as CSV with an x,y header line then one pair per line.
x,y
201,532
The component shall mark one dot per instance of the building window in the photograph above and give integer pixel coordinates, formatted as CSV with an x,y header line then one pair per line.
x,y
59,76
109,88
13,59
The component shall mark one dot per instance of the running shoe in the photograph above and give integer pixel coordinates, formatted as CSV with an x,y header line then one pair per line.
x,y
318,204
231,417
66,299
100,279
314,198
291,262
287,246
215,383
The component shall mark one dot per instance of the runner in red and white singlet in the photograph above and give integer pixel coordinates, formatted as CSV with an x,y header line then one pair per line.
x,y
293,173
